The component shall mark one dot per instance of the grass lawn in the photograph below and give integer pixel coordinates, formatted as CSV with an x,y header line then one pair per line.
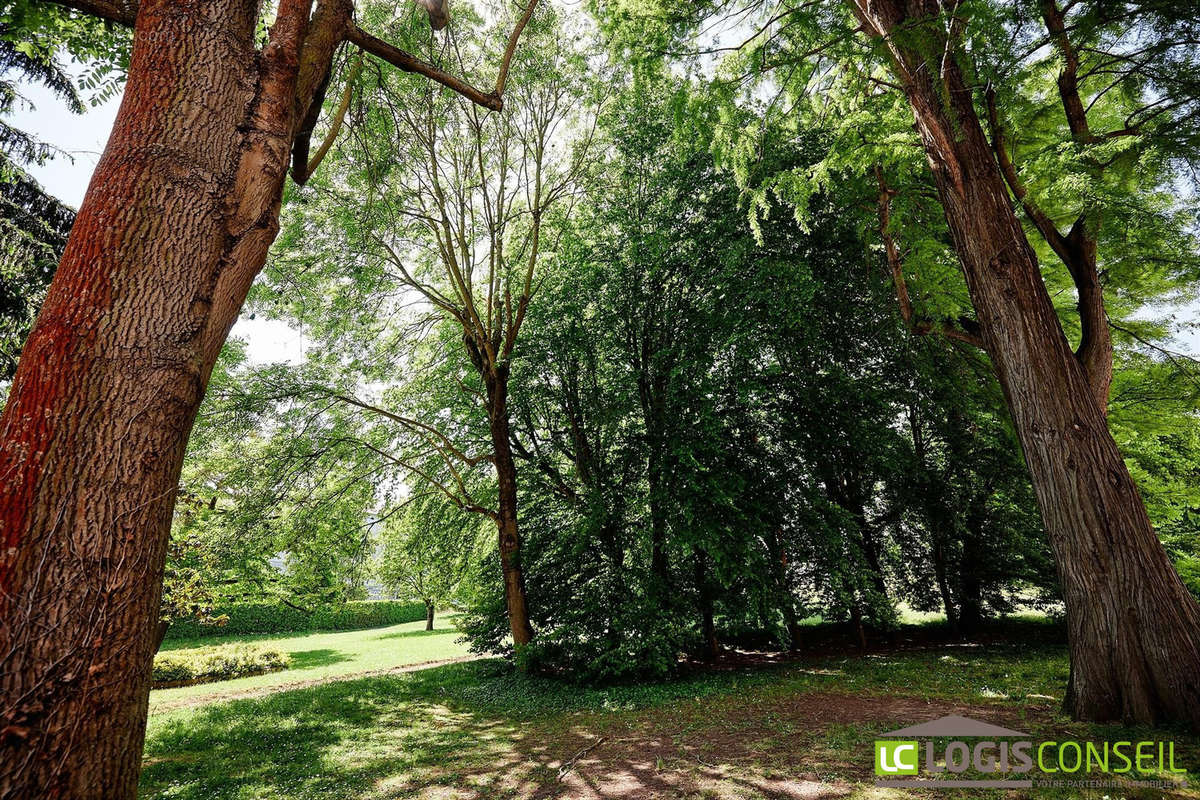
x,y
321,656
476,731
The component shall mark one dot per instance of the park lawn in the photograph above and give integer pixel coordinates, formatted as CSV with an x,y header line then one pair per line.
x,y
477,730
322,656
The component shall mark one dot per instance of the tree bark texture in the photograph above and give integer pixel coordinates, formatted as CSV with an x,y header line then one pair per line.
x,y
1134,629
496,384
175,225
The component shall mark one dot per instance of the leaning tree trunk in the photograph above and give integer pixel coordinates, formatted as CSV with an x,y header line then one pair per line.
x,y
176,223
506,521
1134,629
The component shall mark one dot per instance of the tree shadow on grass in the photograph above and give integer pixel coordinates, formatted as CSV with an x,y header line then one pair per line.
x,y
479,730
307,659
390,734
471,731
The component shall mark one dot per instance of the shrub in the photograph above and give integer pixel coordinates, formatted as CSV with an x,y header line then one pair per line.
x,y
218,663
250,618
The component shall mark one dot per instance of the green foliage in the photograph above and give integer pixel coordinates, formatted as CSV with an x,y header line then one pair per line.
x,y
721,424
219,663
251,618
33,225
426,549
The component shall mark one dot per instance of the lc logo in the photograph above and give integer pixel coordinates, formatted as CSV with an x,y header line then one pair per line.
x,y
895,758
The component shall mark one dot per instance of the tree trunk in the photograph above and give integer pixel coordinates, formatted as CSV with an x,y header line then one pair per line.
x,y
970,581
856,623
708,629
930,488
160,633
783,588
938,553
428,615
506,522
651,390
659,570
1134,630
175,225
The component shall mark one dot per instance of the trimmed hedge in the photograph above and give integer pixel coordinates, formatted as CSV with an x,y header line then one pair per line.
x,y
250,618
217,663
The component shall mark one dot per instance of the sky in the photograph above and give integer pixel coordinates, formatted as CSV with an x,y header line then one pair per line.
x,y
82,138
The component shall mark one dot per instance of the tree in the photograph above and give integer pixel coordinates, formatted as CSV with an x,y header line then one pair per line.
x,y
963,499
457,209
176,223
1134,629
426,550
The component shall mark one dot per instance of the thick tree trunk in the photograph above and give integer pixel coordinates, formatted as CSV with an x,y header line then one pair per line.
x,y
506,522
1134,630
175,225
428,615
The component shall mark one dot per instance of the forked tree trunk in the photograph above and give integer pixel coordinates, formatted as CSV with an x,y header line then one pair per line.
x,y
175,225
506,523
1134,629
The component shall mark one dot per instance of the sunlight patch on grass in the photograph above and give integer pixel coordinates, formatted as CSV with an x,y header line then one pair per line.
x,y
323,656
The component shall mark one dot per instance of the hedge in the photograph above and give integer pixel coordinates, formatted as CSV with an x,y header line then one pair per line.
x,y
217,663
249,618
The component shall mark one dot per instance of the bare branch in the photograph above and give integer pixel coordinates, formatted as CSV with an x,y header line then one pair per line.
x,y
511,47
300,149
1045,225
407,62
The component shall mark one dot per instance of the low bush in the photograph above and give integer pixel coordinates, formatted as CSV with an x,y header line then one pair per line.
x,y
250,618
218,663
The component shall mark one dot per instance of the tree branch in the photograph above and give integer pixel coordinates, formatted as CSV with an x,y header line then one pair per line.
x,y
967,329
511,47
122,12
302,171
407,62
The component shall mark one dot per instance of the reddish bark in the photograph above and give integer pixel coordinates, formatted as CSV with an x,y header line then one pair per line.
x,y
1134,629
175,225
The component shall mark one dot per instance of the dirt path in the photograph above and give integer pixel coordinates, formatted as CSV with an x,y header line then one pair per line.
x,y
775,747
263,691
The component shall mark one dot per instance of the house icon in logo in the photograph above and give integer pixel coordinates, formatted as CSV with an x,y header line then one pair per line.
x,y
958,727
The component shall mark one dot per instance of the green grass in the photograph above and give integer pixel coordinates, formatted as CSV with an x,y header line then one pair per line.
x,y
478,730
320,656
